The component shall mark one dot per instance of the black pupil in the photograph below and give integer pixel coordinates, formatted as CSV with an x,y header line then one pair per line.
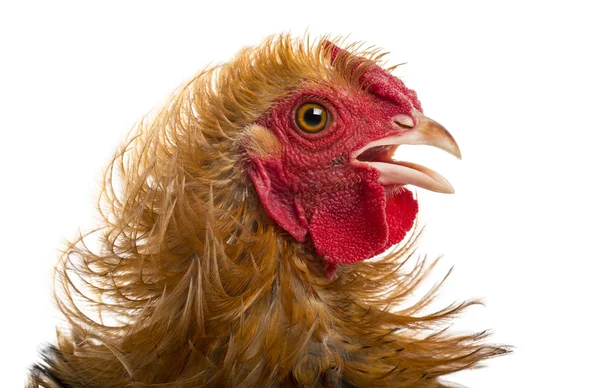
x,y
313,116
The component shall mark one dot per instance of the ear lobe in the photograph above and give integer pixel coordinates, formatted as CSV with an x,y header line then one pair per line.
x,y
265,170
285,212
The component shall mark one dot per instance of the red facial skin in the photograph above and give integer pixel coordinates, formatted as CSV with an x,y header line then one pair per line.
x,y
313,188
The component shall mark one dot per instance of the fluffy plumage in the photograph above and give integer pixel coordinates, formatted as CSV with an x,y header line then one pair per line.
x,y
194,285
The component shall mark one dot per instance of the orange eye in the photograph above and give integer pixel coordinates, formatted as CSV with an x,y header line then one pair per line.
x,y
312,117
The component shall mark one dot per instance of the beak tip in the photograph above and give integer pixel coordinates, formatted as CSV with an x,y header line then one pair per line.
x,y
454,150
448,189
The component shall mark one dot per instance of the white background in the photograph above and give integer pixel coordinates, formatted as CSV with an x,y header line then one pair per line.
x,y
516,83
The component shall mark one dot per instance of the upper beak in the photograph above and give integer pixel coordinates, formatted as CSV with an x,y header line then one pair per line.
x,y
420,130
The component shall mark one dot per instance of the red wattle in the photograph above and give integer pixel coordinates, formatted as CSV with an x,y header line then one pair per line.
x,y
358,224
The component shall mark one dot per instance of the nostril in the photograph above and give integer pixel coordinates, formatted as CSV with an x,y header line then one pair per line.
x,y
404,121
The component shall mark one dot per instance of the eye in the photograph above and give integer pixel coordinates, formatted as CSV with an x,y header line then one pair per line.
x,y
312,117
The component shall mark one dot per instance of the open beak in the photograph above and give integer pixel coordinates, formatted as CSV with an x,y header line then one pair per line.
x,y
425,131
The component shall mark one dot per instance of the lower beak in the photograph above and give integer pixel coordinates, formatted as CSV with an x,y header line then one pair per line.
x,y
420,130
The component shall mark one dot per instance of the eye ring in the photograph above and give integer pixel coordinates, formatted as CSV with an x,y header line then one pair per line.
x,y
312,117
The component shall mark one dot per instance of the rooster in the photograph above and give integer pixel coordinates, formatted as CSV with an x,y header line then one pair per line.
x,y
236,224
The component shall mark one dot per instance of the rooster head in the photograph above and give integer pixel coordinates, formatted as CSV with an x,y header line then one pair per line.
x,y
320,157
